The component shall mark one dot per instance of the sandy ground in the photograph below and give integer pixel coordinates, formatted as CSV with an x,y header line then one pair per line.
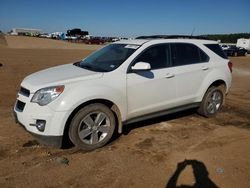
x,y
43,43
174,150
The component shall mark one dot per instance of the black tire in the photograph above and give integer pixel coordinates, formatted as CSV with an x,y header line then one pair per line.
x,y
209,107
81,124
235,54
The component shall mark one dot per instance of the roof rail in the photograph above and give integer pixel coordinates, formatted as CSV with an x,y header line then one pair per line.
x,y
172,37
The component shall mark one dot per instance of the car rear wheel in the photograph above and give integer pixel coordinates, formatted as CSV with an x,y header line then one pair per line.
x,y
212,101
92,127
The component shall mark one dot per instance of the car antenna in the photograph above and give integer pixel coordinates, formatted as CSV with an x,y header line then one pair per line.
x,y
193,31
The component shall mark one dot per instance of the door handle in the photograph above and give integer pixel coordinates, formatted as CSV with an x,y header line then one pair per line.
x,y
205,68
169,75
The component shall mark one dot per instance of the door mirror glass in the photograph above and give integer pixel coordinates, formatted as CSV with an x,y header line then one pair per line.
x,y
141,66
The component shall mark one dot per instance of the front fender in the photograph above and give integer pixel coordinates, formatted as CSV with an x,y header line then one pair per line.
x,y
75,96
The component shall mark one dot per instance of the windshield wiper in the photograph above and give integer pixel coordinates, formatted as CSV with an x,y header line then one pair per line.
x,y
89,67
77,64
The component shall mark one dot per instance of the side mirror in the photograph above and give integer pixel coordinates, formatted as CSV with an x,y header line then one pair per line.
x,y
141,66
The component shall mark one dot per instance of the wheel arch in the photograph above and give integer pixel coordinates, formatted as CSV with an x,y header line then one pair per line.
x,y
219,83
113,107
216,83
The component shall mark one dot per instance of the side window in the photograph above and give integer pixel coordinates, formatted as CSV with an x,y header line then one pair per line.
x,y
185,54
156,56
203,56
217,49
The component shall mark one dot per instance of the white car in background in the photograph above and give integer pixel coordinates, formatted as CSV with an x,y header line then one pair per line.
x,y
124,82
225,46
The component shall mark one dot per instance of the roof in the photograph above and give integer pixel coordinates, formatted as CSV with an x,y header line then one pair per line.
x,y
134,41
172,37
160,40
30,29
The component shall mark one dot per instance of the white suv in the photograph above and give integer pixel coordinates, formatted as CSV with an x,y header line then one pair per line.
x,y
124,82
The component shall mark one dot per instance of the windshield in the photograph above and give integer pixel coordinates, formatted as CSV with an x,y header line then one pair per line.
x,y
108,58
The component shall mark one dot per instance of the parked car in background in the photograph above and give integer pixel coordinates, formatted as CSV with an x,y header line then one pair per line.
x,y
235,51
224,46
95,40
44,35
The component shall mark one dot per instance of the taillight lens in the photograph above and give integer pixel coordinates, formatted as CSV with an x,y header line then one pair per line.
x,y
230,66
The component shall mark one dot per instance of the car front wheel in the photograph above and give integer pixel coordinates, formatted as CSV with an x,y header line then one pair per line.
x,y
212,101
92,127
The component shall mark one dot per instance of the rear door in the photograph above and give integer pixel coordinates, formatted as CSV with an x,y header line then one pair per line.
x,y
192,66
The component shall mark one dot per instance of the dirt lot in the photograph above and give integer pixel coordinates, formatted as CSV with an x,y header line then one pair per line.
x,y
179,149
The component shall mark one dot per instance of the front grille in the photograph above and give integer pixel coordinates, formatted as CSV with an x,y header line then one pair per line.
x,y
20,106
24,91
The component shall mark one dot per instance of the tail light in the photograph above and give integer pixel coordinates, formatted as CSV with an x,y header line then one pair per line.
x,y
230,66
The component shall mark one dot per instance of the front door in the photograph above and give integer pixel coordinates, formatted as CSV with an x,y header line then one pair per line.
x,y
154,90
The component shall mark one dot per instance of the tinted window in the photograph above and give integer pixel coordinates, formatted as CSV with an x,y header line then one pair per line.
x,y
107,58
156,56
185,54
203,56
216,49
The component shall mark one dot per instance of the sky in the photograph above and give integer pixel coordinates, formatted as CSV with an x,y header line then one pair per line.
x,y
128,18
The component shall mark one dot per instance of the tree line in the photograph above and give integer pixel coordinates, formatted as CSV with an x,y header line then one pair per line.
x,y
227,38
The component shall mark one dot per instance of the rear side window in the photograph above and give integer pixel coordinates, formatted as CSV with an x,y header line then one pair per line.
x,y
203,56
217,49
185,54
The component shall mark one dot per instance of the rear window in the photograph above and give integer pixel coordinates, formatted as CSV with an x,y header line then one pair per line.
x,y
217,49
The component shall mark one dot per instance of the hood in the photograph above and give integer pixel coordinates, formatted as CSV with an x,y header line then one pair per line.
x,y
58,75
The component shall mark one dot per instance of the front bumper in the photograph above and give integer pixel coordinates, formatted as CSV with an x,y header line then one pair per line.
x,y
27,114
55,141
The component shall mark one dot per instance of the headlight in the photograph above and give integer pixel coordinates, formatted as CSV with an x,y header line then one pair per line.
x,y
46,95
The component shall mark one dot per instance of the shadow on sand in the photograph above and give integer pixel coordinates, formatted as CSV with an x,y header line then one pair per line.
x,y
200,172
